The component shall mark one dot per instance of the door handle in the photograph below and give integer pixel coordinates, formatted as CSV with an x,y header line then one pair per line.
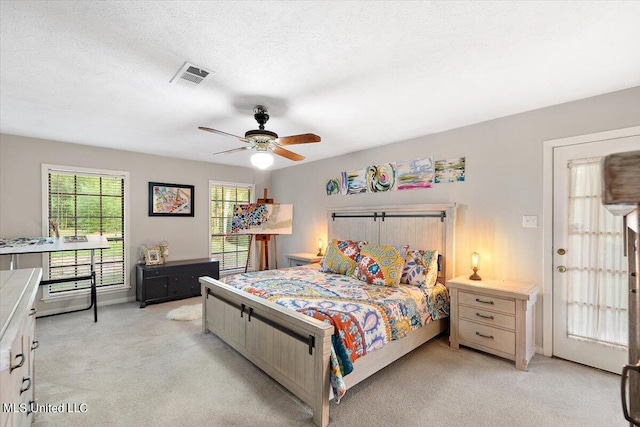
x,y
623,390
561,269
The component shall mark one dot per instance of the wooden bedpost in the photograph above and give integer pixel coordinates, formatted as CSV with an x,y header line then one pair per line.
x,y
321,395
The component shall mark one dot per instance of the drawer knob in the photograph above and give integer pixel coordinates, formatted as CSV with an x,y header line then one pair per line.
x,y
484,302
34,345
484,336
25,380
19,364
561,269
484,317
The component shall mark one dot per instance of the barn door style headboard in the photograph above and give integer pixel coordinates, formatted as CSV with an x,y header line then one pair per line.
x,y
425,227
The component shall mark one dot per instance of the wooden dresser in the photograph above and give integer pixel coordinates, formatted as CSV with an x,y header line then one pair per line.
x,y
495,317
18,290
173,280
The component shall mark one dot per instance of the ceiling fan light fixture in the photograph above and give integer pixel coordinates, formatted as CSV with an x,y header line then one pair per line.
x,y
266,142
261,160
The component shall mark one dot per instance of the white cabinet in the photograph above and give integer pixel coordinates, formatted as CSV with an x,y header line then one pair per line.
x,y
18,290
495,317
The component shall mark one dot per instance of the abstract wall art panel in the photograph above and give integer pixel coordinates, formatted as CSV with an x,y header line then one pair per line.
x,y
357,181
450,170
333,186
381,178
416,173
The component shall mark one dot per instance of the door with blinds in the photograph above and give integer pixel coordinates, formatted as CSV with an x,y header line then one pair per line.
x,y
590,289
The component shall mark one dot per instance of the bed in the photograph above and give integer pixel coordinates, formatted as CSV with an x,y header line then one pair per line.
x,y
255,314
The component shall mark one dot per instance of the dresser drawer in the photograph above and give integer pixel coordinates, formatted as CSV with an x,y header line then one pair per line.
x,y
487,336
486,317
488,302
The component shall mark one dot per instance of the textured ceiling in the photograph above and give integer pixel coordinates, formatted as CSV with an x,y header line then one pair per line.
x,y
359,74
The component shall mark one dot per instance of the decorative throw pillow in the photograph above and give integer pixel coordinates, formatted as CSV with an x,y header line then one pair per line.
x,y
341,257
420,268
381,264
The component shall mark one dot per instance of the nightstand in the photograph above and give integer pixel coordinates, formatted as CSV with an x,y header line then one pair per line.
x,y
296,260
493,316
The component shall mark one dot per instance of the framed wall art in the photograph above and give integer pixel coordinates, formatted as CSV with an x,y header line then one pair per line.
x,y
171,199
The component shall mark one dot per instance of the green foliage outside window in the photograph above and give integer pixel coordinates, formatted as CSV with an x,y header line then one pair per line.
x,y
85,205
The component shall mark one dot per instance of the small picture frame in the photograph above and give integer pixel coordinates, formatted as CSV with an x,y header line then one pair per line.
x,y
153,256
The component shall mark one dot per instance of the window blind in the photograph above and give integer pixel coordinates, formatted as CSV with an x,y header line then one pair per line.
x,y
231,250
84,204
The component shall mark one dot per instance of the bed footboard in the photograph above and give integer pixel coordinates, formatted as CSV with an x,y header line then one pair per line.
x,y
290,347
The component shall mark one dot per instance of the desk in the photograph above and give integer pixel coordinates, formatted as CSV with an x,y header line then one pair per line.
x,y
55,244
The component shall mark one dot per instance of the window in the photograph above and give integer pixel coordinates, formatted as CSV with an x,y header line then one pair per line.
x,y
85,202
231,250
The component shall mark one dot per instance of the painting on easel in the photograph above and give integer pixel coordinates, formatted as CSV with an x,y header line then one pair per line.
x,y
262,218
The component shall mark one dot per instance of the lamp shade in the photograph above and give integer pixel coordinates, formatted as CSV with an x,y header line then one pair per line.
x,y
475,260
261,160
475,266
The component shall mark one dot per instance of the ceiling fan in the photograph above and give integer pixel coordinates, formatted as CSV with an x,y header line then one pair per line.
x,y
265,141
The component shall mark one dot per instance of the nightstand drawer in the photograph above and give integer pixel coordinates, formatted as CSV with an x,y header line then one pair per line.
x,y
488,302
487,317
487,336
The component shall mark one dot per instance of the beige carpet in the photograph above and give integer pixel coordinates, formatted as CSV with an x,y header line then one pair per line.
x,y
137,368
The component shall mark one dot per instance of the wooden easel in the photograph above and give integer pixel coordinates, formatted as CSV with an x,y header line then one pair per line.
x,y
264,247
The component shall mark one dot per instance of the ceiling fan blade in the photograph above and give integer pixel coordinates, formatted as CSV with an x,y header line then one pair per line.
x,y
233,150
304,138
219,132
288,154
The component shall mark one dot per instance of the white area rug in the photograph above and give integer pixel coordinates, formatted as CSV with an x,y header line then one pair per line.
x,y
186,313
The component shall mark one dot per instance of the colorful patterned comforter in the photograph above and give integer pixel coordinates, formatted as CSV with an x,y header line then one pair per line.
x,y
365,316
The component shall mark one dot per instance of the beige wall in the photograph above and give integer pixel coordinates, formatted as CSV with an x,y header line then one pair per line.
x,y
503,183
21,198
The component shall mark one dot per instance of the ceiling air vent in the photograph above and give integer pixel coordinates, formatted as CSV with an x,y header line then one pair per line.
x,y
190,75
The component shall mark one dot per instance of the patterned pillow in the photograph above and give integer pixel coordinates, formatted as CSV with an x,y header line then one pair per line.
x,y
341,257
420,268
381,264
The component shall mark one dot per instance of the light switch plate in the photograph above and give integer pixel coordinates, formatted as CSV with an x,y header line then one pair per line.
x,y
530,221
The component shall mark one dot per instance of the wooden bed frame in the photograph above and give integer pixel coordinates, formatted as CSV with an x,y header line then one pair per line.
x,y
294,348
